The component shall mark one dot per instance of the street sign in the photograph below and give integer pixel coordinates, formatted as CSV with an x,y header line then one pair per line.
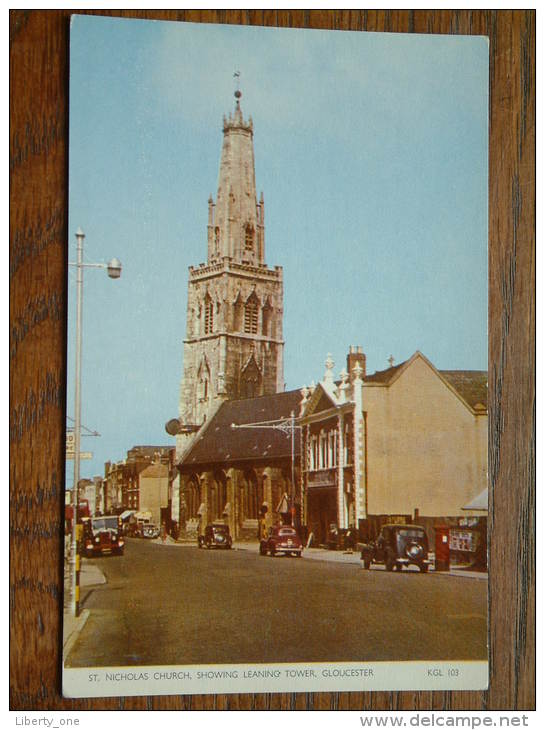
x,y
71,447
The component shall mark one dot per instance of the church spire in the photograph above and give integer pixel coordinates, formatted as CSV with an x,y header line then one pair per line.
x,y
234,346
236,219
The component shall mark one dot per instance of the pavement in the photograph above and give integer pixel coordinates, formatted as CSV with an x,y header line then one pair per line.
x,y
337,556
91,575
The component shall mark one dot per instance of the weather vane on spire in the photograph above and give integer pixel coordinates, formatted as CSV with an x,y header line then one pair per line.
x,y
238,92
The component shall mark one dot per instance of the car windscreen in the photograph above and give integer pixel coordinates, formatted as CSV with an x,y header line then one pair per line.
x,y
287,531
105,523
413,533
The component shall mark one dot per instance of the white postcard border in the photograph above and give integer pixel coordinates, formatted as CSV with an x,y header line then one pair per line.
x,y
133,681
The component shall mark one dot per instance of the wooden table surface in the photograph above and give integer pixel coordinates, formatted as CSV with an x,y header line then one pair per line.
x,y
38,275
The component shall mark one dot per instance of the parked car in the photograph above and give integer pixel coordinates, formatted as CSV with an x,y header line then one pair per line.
x,y
398,546
216,535
103,536
341,538
150,531
282,540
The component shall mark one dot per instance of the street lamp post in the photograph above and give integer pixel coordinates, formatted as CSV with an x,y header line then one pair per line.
x,y
114,272
288,427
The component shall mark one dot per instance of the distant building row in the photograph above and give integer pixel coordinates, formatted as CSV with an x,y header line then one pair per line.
x,y
140,482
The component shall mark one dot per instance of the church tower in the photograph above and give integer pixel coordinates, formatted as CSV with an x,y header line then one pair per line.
x,y
233,346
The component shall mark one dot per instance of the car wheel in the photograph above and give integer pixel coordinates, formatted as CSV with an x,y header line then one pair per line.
x,y
390,562
297,555
367,564
423,567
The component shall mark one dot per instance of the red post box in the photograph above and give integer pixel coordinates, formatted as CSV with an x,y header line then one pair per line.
x,y
442,548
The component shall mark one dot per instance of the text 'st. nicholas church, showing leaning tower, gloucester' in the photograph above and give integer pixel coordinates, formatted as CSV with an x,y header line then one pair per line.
x,y
233,346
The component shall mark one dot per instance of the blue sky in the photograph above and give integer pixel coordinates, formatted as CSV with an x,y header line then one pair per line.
x,y
371,151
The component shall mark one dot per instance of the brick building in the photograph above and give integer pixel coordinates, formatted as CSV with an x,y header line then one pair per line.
x,y
122,478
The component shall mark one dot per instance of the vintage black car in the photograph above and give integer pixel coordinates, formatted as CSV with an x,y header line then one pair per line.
x,y
150,531
103,536
398,546
282,540
216,535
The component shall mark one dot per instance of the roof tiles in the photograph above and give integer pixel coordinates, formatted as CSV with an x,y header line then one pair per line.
x,y
218,442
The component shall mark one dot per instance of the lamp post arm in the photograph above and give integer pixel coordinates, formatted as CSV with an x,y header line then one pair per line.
x,y
87,266
287,426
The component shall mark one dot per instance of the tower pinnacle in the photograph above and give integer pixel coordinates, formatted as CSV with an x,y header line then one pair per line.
x,y
238,92
236,218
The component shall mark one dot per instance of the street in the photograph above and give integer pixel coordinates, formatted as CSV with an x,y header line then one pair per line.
x,y
173,605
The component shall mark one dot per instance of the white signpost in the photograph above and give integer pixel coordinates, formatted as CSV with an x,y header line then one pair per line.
x,y
70,447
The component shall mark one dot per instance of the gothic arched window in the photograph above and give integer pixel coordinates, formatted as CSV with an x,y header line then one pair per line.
x,y
217,496
254,496
238,309
193,498
203,382
250,380
208,315
248,237
266,320
250,315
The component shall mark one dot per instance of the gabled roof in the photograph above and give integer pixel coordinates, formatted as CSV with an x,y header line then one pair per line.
x,y
384,376
319,400
219,443
471,386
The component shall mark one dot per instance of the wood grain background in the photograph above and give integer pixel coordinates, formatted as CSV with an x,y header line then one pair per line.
x,y
38,275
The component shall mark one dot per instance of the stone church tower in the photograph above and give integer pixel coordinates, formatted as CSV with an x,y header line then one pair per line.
x,y
233,347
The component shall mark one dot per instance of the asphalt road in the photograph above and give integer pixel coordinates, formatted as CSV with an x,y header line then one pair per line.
x,y
177,605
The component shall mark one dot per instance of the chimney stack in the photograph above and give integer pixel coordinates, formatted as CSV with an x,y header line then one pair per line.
x,y
355,355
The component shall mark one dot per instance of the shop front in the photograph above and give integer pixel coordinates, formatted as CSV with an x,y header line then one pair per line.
x,y
322,513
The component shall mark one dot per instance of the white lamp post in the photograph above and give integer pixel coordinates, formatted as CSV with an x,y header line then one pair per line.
x,y
114,272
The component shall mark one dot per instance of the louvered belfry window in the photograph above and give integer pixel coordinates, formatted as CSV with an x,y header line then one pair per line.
x,y
249,237
208,316
250,317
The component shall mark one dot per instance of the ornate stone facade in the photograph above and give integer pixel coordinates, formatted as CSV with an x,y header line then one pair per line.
x,y
404,444
233,346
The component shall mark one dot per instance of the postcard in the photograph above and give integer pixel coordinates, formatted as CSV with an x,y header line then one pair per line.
x,y
276,460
